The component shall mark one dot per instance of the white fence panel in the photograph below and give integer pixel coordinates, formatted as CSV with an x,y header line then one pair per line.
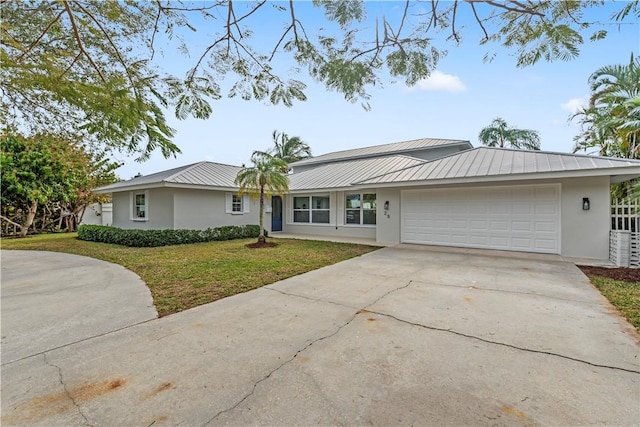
x,y
624,238
634,256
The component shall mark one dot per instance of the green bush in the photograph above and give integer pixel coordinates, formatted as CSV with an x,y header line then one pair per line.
x,y
151,238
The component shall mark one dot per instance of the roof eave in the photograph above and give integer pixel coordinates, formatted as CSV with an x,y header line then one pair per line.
x,y
149,186
318,190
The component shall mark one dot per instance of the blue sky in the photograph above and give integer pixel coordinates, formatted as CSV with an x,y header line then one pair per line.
x,y
461,97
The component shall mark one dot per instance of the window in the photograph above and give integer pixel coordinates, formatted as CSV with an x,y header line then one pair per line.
x,y
360,209
311,209
236,203
140,206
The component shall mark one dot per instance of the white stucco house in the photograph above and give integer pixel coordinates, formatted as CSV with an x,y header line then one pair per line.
x,y
426,191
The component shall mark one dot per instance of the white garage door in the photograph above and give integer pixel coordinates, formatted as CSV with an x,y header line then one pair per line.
x,y
517,218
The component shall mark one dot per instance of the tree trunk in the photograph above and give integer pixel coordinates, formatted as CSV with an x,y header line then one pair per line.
x,y
31,214
261,238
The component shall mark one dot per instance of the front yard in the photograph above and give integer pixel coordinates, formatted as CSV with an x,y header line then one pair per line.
x,y
621,286
185,276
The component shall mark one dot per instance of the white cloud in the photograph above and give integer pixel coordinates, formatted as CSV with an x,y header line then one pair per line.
x,y
573,105
442,82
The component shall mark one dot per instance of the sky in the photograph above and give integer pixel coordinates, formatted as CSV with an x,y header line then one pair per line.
x,y
463,95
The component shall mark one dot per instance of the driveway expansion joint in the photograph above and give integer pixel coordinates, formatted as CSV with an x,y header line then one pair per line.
x,y
363,310
528,350
49,350
64,387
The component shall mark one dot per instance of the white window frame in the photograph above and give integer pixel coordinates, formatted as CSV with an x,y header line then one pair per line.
x,y
236,204
310,209
133,205
229,204
360,208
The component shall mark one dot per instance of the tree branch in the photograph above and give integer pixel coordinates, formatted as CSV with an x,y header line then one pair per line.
x,y
155,30
10,222
293,21
479,21
258,6
76,34
275,49
520,9
454,33
37,40
404,16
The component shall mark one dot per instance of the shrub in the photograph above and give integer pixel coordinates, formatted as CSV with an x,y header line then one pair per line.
x,y
151,238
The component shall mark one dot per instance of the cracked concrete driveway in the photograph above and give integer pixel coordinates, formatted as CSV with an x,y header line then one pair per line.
x,y
394,337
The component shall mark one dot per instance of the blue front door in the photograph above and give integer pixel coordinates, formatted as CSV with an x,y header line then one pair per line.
x,y
276,213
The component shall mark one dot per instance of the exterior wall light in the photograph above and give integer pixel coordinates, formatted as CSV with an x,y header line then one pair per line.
x,y
586,204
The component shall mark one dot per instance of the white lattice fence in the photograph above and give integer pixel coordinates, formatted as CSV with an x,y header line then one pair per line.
x,y
624,238
625,215
634,256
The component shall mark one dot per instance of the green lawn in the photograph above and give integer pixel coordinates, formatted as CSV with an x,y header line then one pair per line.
x,y
185,276
625,296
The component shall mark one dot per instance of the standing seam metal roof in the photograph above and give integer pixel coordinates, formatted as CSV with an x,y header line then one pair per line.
x,y
380,150
498,161
207,174
343,174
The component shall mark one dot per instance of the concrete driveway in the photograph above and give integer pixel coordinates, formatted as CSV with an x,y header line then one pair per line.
x,y
51,299
395,337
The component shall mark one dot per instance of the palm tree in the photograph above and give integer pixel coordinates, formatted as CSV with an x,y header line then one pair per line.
x,y
499,134
264,178
288,149
612,120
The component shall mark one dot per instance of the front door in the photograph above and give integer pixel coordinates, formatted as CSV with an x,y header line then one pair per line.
x,y
276,213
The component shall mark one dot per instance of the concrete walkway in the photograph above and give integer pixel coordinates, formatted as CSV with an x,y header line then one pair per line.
x,y
394,337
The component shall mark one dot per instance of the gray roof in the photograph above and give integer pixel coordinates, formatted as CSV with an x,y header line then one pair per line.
x,y
405,147
206,174
484,162
343,174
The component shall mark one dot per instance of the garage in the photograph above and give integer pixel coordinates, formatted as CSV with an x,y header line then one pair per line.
x,y
517,217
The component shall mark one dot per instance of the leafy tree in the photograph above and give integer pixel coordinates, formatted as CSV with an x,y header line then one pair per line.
x,y
288,149
46,171
97,171
611,122
499,134
263,179
92,65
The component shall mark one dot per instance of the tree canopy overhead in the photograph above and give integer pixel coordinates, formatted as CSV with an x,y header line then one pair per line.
x,y
91,65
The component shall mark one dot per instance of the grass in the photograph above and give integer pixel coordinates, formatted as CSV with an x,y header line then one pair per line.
x,y
185,276
625,296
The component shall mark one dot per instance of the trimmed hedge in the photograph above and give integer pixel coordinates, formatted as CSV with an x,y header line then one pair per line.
x,y
152,238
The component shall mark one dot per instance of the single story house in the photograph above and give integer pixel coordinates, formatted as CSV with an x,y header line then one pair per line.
x,y
426,191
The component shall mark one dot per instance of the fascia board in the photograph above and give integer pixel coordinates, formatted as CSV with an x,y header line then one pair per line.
x,y
318,190
151,186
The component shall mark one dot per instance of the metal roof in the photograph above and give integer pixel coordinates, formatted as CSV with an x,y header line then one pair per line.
x,y
207,174
404,147
343,174
470,165
487,162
